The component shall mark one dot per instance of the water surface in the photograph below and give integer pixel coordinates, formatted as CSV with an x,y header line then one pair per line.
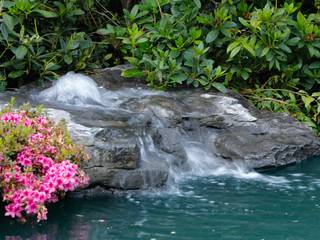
x,y
217,207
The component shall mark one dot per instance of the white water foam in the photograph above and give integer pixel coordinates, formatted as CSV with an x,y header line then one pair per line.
x,y
81,90
202,163
73,88
205,163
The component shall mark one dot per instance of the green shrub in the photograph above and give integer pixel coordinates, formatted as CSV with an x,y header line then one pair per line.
x,y
268,52
39,39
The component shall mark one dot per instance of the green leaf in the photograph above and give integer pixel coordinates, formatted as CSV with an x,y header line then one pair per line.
x,y
314,65
249,48
77,12
142,40
133,72
285,48
9,21
244,75
293,41
212,36
108,56
219,86
16,74
134,10
302,21
243,22
232,46
265,51
307,100
198,3
179,77
46,14
103,31
20,52
4,31
195,33
67,59
316,94
235,51
52,66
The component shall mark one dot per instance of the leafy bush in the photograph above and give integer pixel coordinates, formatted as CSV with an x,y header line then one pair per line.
x,y
38,162
39,39
269,53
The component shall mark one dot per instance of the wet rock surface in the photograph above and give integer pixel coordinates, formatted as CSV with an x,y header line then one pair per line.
x,y
139,136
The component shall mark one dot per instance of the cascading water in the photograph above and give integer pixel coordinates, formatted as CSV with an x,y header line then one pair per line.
x,y
80,90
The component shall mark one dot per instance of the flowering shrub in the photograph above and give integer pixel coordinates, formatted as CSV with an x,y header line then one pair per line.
x,y
38,162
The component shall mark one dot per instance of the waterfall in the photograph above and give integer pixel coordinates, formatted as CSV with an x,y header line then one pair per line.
x,y
78,89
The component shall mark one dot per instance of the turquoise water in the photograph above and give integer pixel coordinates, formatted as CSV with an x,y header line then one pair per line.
x,y
283,205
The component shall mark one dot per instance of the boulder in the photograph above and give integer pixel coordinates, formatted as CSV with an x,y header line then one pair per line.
x,y
137,136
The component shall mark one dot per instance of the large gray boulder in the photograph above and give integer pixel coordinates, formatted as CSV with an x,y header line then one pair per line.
x,y
138,136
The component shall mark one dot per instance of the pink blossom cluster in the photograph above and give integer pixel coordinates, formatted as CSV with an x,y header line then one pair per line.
x,y
35,177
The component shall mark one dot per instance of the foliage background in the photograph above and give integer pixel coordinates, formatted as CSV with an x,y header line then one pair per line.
x,y
266,50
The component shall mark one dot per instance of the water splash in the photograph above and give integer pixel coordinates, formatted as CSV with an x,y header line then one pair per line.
x,y
81,90
74,89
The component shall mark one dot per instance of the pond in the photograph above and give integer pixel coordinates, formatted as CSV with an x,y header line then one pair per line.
x,y
284,204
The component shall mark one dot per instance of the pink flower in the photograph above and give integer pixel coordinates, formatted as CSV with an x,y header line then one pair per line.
x,y
13,210
25,158
42,214
35,176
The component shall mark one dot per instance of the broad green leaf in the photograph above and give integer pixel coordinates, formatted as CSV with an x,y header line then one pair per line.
x,y
316,94
134,10
52,66
77,12
235,51
249,48
265,51
20,52
179,78
46,14
302,21
314,65
244,75
133,72
293,41
307,100
9,21
68,59
243,22
219,86
195,33
16,74
285,48
142,40
4,31
232,46
103,31
212,36
198,3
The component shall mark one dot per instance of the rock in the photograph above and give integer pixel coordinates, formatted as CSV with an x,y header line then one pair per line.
x,y
169,141
138,136
111,78
269,142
